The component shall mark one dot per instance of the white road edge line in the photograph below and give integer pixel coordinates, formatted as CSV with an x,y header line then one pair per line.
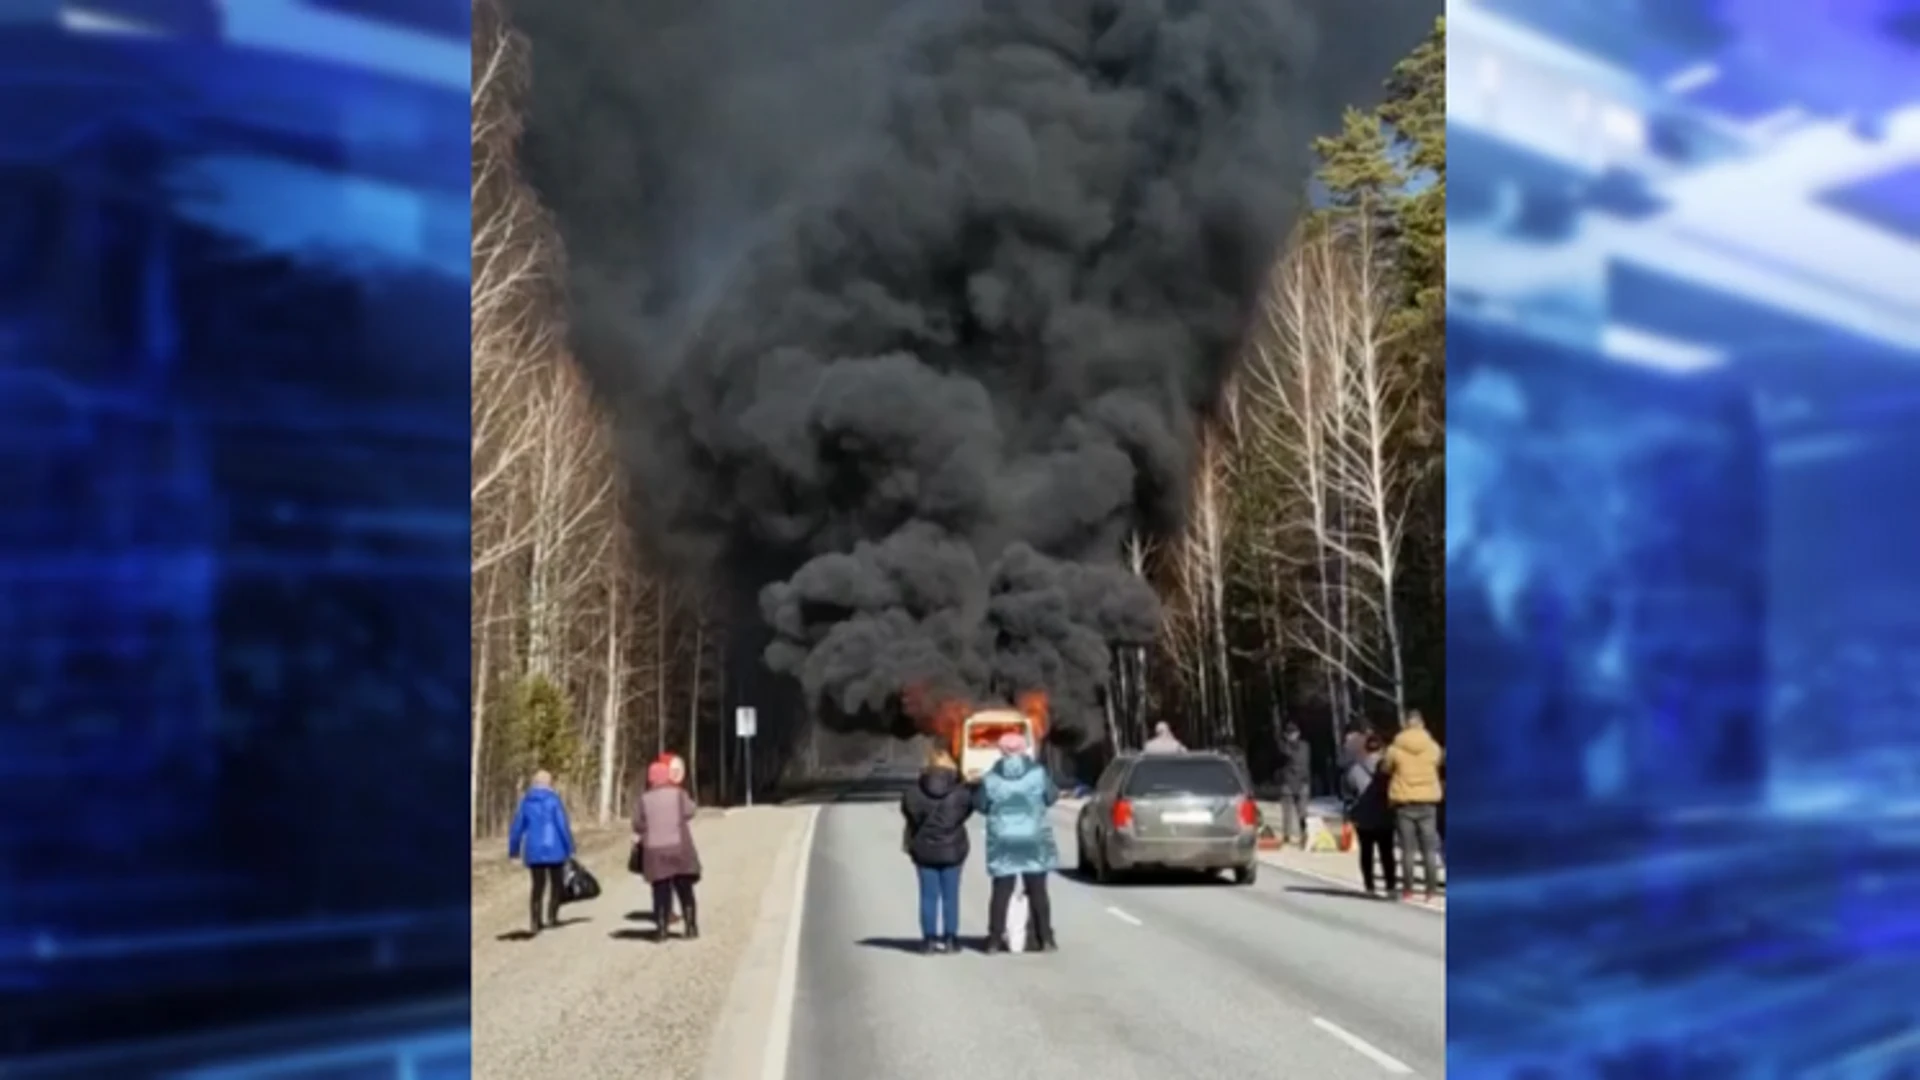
x,y
780,1035
1363,1047
1124,917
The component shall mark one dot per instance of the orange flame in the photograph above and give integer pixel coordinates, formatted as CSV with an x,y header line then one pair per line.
x,y
941,719
1033,705
947,722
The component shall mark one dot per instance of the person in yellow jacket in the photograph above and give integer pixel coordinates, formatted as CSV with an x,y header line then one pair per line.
x,y
1412,763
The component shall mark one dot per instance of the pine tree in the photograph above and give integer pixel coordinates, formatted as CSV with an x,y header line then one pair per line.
x,y
544,728
1416,111
1357,166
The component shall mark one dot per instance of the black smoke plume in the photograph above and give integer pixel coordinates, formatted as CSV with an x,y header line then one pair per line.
x,y
907,313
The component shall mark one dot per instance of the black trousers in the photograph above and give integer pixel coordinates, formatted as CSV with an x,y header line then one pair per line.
x,y
1039,910
546,896
665,890
1374,841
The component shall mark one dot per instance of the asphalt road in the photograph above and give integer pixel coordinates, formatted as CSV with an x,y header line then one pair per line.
x,y
1285,978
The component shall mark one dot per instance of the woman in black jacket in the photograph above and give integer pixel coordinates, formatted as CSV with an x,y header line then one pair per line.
x,y
936,810
1372,815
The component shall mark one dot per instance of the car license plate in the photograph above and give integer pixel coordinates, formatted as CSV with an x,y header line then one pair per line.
x,y
1186,817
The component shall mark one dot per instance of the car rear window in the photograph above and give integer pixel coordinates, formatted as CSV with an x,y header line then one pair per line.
x,y
1183,776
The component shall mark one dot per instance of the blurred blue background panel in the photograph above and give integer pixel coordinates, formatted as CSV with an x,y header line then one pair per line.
x,y
233,563
448,19
1683,606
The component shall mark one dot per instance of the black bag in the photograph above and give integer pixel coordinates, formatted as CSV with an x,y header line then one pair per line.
x,y
576,884
635,865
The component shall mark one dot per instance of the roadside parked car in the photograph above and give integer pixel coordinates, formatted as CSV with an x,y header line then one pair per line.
x,y
1189,811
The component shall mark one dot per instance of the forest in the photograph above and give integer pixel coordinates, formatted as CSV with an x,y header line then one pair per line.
x,y
1307,587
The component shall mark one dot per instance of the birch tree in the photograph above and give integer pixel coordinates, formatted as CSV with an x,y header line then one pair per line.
x,y
510,290
1126,699
1320,405
556,599
568,503
1369,483
1294,425
506,283
1201,625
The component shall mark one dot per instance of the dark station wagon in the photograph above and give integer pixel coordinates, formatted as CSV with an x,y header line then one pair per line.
x,y
1185,811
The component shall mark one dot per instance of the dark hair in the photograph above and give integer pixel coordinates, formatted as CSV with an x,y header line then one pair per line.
x,y
1375,744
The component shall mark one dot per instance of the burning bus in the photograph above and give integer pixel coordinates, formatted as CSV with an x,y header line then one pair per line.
x,y
974,738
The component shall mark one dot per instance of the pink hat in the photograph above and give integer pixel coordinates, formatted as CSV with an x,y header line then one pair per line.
x,y
659,774
1013,743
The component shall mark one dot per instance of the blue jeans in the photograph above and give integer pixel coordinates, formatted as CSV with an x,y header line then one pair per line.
x,y
939,901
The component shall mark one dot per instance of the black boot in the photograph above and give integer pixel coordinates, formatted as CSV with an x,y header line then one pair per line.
x,y
533,921
690,922
996,943
953,944
929,946
1046,942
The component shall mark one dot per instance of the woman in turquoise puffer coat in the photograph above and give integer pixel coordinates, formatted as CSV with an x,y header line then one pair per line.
x,y
1014,797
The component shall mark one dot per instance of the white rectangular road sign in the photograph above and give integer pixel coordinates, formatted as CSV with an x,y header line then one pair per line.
x,y
746,722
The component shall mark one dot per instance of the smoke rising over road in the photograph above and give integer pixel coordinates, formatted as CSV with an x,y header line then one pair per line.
x,y
907,313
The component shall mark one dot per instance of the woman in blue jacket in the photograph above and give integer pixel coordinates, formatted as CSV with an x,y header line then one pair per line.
x,y
1015,796
541,833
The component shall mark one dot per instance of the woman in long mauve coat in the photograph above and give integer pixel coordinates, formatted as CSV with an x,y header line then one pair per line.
x,y
663,827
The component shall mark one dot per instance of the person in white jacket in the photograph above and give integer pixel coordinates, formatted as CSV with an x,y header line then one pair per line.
x,y
1163,741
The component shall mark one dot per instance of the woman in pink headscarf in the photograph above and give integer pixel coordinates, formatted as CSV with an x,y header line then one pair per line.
x,y
1021,851
663,830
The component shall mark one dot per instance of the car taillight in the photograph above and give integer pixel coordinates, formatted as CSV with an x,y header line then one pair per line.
x,y
1122,814
1249,814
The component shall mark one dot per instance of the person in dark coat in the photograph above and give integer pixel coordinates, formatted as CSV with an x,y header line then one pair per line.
x,y
543,838
663,828
1296,784
937,809
1371,814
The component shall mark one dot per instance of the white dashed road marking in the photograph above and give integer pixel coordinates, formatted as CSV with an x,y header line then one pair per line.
x,y
1363,1047
1124,917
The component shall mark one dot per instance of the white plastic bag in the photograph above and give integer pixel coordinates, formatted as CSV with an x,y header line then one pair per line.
x,y
1017,921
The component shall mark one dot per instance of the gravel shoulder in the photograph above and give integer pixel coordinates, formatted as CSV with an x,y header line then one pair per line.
x,y
593,998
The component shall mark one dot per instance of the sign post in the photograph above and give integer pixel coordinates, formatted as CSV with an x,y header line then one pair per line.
x,y
746,723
